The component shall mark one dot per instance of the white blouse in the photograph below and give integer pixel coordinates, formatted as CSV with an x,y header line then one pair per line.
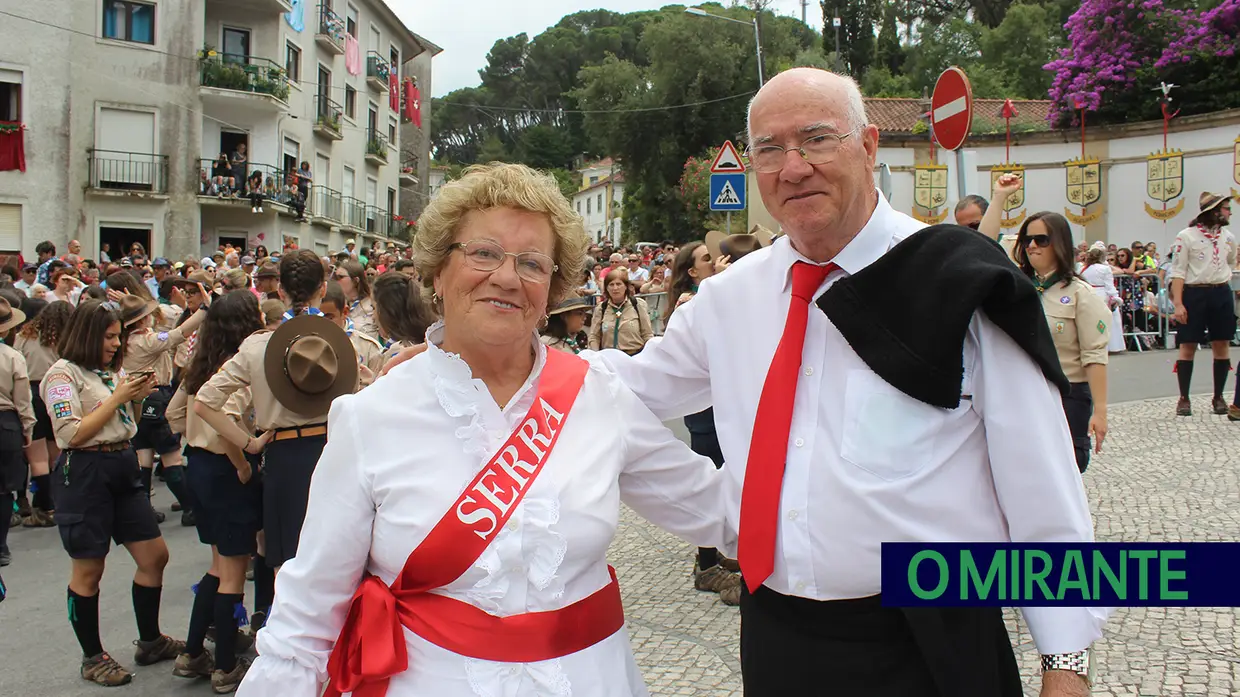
x,y
399,455
1101,276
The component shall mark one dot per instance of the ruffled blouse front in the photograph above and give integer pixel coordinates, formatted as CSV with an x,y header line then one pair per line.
x,y
399,455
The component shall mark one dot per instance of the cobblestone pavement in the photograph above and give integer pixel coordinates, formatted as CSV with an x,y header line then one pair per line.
x,y
1159,478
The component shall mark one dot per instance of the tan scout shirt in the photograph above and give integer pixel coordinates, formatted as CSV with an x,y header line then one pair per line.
x,y
72,392
630,333
369,354
245,369
1200,259
166,317
1080,326
39,358
362,313
15,387
151,350
197,432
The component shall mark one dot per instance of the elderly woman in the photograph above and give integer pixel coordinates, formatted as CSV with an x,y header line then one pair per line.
x,y
476,561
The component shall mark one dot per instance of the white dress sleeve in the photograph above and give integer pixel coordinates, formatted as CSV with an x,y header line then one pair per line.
x,y
663,480
1035,474
314,589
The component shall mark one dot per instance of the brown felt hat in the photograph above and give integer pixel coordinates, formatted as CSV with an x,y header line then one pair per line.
x,y
309,362
9,316
134,308
1211,201
755,239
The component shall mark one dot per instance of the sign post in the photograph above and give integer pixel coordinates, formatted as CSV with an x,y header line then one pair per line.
x,y
951,116
727,182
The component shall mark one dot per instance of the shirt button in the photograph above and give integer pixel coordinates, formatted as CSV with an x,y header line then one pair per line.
x,y
793,514
800,586
512,525
800,442
809,371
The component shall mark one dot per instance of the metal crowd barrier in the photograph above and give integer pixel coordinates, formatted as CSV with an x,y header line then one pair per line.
x,y
1146,326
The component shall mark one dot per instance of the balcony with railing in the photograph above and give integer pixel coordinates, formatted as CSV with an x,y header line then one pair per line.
x,y
324,206
327,118
352,213
376,147
378,72
378,221
227,78
225,183
273,6
128,172
331,29
409,173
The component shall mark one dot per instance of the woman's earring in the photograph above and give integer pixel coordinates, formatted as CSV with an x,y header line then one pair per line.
x,y
435,297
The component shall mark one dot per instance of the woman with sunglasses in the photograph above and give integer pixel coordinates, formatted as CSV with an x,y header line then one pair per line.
x,y
1079,323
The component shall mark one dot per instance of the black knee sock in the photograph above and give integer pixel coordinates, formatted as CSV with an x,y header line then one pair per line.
x,y
146,610
202,614
174,477
145,473
229,614
6,505
707,557
84,618
264,585
1222,366
1184,373
42,485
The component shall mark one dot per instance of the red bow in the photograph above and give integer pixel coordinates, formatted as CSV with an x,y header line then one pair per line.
x,y
371,648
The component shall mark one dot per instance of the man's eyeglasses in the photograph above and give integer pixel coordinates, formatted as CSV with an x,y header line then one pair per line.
x,y
485,255
1038,240
816,150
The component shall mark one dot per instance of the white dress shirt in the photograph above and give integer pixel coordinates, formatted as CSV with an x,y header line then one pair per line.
x,y
401,452
867,463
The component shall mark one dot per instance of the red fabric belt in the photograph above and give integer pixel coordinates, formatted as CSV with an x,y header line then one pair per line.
x,y
371,648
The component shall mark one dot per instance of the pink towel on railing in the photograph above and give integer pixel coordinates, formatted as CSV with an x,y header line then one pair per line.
x,y
352,55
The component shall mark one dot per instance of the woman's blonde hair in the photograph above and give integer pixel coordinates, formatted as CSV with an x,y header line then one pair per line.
x,y
498,185
234,279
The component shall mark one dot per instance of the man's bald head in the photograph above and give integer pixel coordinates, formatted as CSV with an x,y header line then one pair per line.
x,y
838,88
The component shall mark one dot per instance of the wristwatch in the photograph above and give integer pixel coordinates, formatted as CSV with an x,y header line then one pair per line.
x,y
1079,662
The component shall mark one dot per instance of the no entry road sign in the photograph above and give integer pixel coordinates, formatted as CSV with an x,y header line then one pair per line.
x,y
951,108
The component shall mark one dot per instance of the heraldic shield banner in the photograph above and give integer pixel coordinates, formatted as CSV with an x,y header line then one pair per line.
x,y
1164,181
1084,181
929,193
1017,199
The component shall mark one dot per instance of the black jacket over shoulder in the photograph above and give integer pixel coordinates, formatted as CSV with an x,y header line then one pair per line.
x,y
907,314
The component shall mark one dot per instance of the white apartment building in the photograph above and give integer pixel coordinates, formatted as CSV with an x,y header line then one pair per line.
x,y
126,103
600,201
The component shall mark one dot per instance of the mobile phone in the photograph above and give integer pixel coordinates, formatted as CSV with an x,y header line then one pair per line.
x,y
143,374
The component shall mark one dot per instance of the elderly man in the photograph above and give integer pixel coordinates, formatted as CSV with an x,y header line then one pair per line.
x,y
828,451
970,209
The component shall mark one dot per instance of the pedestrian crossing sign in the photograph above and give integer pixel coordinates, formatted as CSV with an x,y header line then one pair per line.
x,y
727,192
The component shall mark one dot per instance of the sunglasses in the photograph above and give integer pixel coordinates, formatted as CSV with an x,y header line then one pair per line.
x,y
1038,240
974,225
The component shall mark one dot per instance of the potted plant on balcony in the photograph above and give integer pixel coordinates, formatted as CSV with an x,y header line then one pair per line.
x,y
376,146
330,120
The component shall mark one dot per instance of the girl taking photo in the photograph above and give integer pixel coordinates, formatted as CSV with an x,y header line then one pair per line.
x,y
99,495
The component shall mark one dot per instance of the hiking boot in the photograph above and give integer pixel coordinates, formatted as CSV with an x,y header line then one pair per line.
x,y
23,506
5,557
223,683
258,620
165,648
1183,407
188,519
102,670
245,640
1233,413
15,521
730,564
39,518
731,596
715,579
159,515
189,667
1219,406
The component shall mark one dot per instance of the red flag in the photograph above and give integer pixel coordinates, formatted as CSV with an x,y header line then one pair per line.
x,y
394,92
1009,110
413,103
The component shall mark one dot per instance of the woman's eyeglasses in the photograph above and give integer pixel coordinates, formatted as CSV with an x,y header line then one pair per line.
x,y
1038,241
485,255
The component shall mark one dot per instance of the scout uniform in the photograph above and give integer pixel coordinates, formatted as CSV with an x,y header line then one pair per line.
x,y
369,352
626,328
1204,261
148,349
298,415
96,485
16,423
39,360
1080,327
362,314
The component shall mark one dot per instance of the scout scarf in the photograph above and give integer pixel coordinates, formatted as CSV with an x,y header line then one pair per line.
x,y
108,382
371,647
288,314
1044,284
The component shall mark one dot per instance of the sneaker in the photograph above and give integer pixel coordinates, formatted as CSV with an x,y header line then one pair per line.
x,y
730,564
254,209
731,596
245,640
189,667
223,683
165,648
1233,413
102,670
159,515
15,521
39,518
1220,406
258,620
1183,407
715,579
188,520
260,209
23,506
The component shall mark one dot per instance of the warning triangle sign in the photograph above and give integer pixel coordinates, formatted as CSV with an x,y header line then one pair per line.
x,y
728,159
727,196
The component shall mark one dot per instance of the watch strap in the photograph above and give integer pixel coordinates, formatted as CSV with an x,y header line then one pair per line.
x,y
1075,661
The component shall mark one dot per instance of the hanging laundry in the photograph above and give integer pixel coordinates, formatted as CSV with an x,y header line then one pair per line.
x,y
12,146
394,92
413,103
296,18
352,55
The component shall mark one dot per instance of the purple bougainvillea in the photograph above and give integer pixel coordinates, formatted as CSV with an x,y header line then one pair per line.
x,y
1113,45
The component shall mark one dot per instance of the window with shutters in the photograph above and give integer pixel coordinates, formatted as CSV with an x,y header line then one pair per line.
x,y
10,228
124,20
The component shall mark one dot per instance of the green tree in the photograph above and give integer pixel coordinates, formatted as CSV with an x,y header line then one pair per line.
x,y
879,82
890,53
544,147
1026,40
856,31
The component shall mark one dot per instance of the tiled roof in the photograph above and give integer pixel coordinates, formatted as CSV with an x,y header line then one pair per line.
x,y
898,115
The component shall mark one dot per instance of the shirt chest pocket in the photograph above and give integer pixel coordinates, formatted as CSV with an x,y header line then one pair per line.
x,y
886,432
1061,317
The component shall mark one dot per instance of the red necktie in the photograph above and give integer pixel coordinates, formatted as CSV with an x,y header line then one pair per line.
x,y
768,448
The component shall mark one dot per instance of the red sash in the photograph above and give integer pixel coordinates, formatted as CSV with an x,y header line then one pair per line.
x,y
371,647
